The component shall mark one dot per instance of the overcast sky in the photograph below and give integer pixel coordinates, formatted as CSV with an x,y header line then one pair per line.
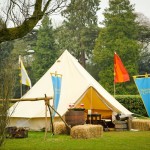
x,y
142,6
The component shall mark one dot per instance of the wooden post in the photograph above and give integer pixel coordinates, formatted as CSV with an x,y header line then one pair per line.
x,y
60,117
45,121
47,105
129,121
27,99
20,89
114,89
51,120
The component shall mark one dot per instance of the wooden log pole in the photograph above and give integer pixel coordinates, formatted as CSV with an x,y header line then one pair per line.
x,y
46,127
27,99
51,120
60,117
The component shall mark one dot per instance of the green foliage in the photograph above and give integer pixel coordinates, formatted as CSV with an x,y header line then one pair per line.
x,y
80,11
22,47
120,35
5,50
6,85
45,50
80,29
144,38
133,103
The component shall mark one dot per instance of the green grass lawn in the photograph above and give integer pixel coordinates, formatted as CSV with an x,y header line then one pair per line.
x,y
126,140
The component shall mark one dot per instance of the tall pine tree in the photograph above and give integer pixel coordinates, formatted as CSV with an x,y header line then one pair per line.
x,y
45,50
120,35
80,28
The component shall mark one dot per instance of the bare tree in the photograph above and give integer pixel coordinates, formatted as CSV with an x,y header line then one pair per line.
x,y
21,16
144,30
6,85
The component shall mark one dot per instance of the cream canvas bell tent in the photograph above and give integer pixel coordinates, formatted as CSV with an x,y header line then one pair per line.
x,y
78,87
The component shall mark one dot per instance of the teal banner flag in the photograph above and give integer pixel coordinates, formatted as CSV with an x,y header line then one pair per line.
x,y
57,88
143,85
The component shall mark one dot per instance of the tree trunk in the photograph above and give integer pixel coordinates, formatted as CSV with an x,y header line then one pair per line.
x,y
83,59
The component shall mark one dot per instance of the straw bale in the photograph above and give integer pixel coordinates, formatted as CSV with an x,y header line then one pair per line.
x,y
60,128
86,131
141,124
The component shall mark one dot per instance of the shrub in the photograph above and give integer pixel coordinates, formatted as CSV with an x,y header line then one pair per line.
x,y
133,103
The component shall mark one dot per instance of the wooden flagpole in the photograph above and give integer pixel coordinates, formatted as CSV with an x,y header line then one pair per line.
x,y
114,89
91,104
20,89
51,120
45,121
114,84
114,79
20,76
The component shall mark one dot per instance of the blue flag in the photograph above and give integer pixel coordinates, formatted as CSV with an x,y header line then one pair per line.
x,y
143,85
57,88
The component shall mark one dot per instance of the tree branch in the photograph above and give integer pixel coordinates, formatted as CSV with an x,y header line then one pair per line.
x,y
8,34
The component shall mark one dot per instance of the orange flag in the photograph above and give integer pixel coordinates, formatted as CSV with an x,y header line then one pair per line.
x,y
120,72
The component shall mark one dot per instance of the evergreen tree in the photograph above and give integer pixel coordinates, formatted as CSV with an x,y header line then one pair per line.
x,y
80,29
24,47
144,38
6,85
119,34
45,50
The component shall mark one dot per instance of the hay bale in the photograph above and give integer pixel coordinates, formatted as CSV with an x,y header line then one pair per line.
x,y
141,124
60,128
86,131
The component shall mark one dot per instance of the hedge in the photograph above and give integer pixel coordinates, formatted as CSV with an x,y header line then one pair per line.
x,y
133,103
